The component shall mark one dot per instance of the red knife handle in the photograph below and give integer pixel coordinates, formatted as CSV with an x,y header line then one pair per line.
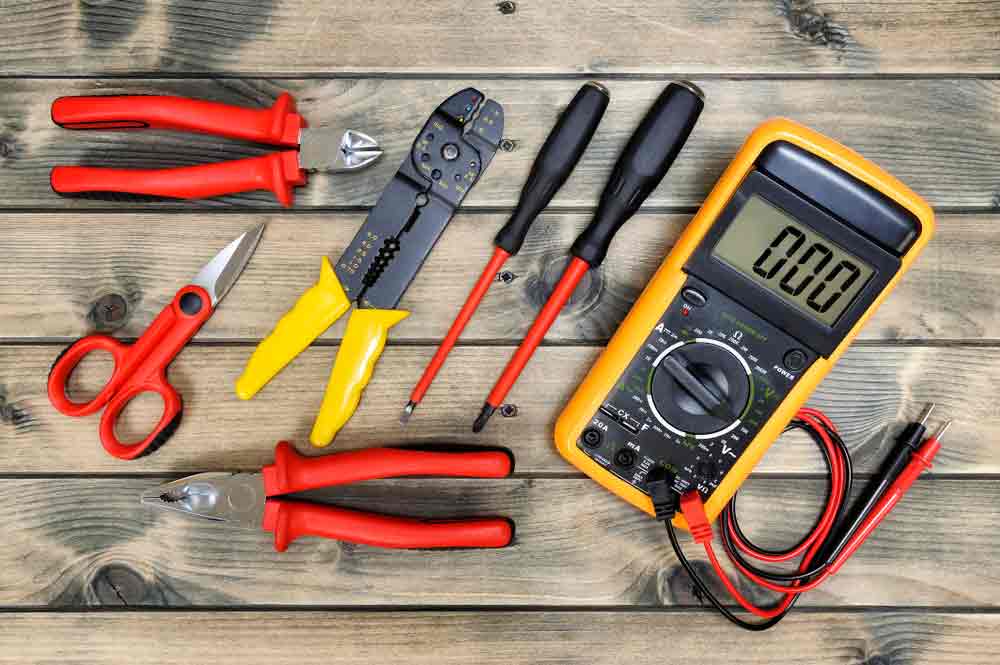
x,y
278,172
278,125
292,472
289,520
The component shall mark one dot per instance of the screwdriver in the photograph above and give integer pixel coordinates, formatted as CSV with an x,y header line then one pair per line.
x,y
558,157
642,165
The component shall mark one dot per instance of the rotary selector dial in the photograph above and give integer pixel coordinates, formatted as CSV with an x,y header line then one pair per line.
x,y
699,388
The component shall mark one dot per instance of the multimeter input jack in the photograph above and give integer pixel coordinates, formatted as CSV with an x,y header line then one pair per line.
x,y
625,458
592,437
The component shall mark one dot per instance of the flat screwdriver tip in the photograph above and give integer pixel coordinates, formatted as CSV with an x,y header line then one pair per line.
x,y
484,417
407,412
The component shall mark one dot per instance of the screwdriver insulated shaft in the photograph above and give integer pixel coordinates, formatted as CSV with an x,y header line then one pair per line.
x,y
476,295
574,272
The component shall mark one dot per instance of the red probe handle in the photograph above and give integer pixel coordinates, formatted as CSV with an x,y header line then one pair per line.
x,y
292,472
278,172
920,461
289,520
139,368
278,125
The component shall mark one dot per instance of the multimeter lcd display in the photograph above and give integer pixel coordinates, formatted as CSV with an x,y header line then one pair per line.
x,y
792,261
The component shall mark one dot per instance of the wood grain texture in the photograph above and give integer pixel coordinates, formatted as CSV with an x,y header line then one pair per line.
x,y
543,36
502,638
937,136
869,393
61,270
72,542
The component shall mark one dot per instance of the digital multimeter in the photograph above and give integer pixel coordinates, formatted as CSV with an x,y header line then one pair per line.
x,y
793,250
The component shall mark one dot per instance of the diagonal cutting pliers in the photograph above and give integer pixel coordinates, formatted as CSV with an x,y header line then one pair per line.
x,y
308,150
252,500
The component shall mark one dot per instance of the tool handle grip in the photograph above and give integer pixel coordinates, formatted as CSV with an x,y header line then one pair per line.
x,y
292,472
289,520
278,172
278,125
642,165
316,310
555,162
364,340
66,362
169,421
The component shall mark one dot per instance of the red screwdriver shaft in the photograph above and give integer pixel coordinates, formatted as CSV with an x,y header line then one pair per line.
x,y
479,290
571,276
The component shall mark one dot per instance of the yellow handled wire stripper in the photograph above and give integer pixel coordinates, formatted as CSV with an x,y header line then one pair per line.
x,y
451,152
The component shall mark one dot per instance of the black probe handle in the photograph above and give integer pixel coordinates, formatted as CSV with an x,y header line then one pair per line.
x,y
556,160
645,160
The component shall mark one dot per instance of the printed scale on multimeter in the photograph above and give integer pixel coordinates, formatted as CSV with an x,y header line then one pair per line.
x,y
793,250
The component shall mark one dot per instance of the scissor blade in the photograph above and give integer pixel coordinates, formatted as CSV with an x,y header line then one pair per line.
x,y
219,274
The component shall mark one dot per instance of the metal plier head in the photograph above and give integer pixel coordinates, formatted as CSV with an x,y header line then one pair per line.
x,y
234,498
454,147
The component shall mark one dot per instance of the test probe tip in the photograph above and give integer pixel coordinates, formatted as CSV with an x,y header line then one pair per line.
x,y
925,414
407,412
484,417
941,430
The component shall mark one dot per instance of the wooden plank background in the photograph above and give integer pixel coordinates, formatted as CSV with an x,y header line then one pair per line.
x,y
914,85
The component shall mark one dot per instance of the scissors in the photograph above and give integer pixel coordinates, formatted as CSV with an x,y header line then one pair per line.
x,y
142,367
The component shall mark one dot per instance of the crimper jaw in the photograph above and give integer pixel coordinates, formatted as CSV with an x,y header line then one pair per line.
x,y
234,498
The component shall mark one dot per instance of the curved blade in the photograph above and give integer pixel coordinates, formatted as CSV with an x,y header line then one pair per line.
x,y
219,274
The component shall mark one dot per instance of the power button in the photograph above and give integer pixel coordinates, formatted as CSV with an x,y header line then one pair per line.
x,y
795,360
694,297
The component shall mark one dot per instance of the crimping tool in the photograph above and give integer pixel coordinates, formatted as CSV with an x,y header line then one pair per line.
x,y
450,153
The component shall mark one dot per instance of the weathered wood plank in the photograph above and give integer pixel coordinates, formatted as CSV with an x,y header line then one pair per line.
x,y
502,638
869,393
62,271
544,36
76,542
935,135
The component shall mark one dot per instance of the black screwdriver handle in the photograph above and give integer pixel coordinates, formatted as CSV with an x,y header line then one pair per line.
x,y
555,161
645,160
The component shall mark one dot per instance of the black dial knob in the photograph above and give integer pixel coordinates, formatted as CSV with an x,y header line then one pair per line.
x,y
699,387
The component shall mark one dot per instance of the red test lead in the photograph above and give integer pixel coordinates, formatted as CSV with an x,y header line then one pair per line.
x,y
643,163
555,162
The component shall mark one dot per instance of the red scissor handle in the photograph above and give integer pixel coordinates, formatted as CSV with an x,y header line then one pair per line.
x,y
278,172
292,472
278,125
289,520
139,368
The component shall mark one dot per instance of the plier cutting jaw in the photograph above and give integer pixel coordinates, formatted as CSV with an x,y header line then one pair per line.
x,y
311,150
251,500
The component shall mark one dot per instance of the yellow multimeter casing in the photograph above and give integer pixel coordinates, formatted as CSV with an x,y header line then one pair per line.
x,y
615,433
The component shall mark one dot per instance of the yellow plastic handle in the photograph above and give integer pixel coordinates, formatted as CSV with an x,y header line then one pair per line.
x,y
364,339
315,311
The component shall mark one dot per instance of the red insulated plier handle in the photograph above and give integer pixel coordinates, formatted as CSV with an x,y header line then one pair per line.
x,y
279,125
292,472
